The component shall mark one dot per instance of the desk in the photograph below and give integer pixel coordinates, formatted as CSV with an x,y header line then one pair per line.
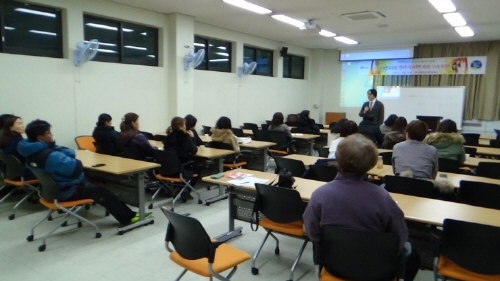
x,y
488,151
474,161
487,137
309,138
431,211
121,167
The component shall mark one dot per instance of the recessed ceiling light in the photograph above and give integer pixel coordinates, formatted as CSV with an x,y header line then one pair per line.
x,y
464,31
288,20
443,6
455,19
249,6
345,40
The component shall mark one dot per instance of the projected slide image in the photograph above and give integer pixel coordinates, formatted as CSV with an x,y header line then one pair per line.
x,y
355,82
388,92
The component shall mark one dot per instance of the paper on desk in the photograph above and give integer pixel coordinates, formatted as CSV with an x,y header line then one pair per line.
x,y
249,181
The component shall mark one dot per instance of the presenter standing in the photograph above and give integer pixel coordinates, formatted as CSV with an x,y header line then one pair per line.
x,y
373,108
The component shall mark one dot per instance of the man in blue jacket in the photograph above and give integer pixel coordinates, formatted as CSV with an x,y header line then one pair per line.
x,y
59,162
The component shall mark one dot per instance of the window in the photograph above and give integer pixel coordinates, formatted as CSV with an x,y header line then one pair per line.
x,y
264,59
122,42
30,29
293,67
217,54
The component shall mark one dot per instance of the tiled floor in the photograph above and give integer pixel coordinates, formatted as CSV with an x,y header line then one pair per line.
x,y
137,255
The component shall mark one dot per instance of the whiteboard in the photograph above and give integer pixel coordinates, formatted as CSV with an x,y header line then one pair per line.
x,y
409,102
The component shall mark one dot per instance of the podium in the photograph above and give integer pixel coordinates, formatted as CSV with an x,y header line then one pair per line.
x,y
431,121
333,117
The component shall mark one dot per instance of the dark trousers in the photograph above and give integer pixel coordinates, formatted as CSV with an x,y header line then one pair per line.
x,y
105,198
410,262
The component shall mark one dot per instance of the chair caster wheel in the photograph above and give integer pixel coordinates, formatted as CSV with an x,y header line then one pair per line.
x,y
97,235
49,218
200,201
255,271
87,206
106,214
150,206
207,203
64,224
152,222
79,224
29,238
41,248
171,209
277,251
121,232
12,216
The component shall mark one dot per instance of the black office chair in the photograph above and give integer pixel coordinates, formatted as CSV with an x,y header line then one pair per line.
x,y
480,194
488,169
411,186
321,173
296,167
386,157
107,148
497,132
197,252
471,151
160,137
348,254
283,145
323,151
282,209
232,161
173,173
469,251
264,127
250,126
471,139
320,126
261,135
268,122
449,165
148,135
238,132
495,143
206,130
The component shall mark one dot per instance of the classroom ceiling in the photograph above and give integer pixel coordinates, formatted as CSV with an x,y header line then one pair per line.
x,y
406,22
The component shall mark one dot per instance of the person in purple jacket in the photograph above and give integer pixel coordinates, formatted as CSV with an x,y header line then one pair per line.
x,y
135,144
349,201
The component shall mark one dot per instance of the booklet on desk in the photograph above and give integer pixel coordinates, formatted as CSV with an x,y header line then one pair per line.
x,y
248,181
236,175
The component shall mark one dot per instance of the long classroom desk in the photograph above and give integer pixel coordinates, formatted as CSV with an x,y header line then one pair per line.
x,y
488,151
431,211
121,167
309,138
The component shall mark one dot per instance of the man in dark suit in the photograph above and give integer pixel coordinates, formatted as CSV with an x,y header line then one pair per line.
x,y
373,108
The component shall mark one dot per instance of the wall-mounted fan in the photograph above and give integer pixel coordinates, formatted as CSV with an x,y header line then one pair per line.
x,y
247,68
85,51
194,58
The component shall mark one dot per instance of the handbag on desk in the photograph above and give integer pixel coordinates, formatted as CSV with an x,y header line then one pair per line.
x,y
285,179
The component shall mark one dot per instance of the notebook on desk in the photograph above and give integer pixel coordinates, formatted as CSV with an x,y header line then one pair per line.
x,y
244,140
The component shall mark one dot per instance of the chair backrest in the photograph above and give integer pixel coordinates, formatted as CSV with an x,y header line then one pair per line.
x,y
497,132
488,169
250,126
170,164
107,148
133,152
411,186
386,157
261,135
359,255
495,143
279,204
264,126
449,165
480,194
323,151
471,151
226,146
296,167
187,235
160,137
279,137
48,189
471,139
472,246
85,143
297,130
148,135
238,132
12,167
321,126
206,130
321,173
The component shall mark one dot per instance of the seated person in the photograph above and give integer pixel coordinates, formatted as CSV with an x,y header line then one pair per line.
x,y
306,124
3,117
191,126
182,142
222,133
104,132
350,202
413,155
277,125
348,128
397,133
371,130
12,134
388,123
135,144
335,130
42,153
448,142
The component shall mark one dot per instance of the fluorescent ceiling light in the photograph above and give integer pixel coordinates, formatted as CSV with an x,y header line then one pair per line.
x,y
199,44
222,54
345,40
35,12
103,44
216,60
127,30
101,26
221,47
144,33
455,19
9,28
326,33
443,6
288,20
136,48
106,51
43,32
249,6
152,56
464,31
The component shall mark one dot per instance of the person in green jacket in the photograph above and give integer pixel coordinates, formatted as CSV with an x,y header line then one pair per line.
x,y
447,140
